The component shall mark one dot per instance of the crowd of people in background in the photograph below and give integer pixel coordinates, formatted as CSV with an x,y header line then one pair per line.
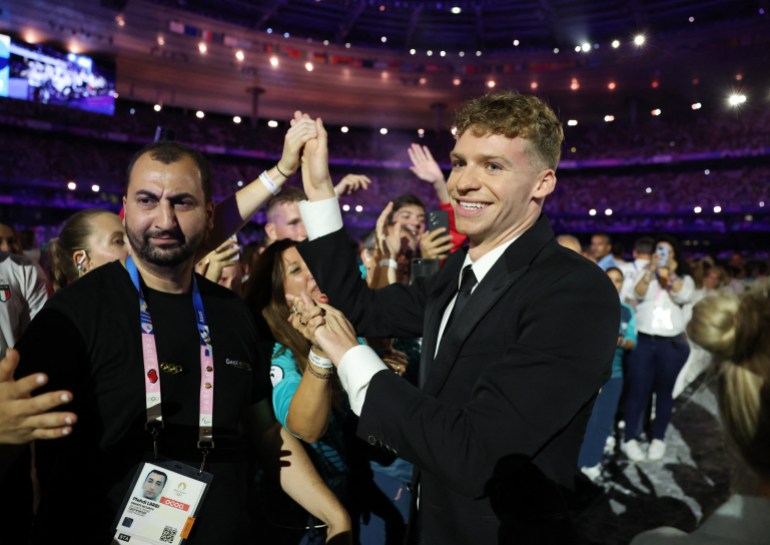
x,y
91,149
673,304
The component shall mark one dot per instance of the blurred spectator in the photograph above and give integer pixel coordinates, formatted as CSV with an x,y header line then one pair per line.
x,y
601,251
571,242
734,329
662,289
600,425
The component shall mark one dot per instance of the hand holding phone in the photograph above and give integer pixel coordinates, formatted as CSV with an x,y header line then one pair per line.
x,y
438,218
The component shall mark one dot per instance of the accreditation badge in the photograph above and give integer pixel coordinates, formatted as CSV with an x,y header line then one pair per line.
x,y
162,504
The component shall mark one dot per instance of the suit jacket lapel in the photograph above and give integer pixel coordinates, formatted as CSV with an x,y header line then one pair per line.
x,y
505,272
488,292
437,301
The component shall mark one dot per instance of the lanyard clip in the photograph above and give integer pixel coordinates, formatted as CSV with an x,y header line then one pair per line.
x,y
154,428
154,432
204,459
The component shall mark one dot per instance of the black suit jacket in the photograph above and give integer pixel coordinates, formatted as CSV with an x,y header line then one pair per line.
x,y
496,427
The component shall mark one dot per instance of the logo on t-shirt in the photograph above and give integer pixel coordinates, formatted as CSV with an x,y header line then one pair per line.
x,y
246,366
276,375
5,292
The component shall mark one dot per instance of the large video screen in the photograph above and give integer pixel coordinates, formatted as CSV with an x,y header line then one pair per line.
x,y
44,74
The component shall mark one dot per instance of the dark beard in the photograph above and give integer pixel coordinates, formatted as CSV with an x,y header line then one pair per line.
x,y
162,257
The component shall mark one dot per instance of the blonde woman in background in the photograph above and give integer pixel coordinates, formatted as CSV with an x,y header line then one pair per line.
x,y
735,330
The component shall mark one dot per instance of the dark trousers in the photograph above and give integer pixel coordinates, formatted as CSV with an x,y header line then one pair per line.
x,y
601,423
652,368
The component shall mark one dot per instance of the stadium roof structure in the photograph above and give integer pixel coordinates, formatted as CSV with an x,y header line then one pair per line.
x,y
408,63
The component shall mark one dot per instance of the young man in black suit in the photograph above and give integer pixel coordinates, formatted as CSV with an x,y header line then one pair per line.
x,y
507,383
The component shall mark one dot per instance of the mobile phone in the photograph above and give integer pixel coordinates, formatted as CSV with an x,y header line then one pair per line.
x,y
662,252
438,218
422,268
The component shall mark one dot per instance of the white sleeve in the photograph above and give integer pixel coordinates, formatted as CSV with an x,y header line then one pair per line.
x,y
320,217
356,369
35,289
685,295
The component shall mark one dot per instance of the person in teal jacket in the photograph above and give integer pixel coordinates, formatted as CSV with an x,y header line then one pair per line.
x,y
307,396
602,420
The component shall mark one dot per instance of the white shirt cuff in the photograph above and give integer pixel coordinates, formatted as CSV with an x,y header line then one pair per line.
x,y
356,369
320,217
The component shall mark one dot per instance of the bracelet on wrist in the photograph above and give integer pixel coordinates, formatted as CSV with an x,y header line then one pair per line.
x,y
318,361
316,374
281,172
388,263
269,184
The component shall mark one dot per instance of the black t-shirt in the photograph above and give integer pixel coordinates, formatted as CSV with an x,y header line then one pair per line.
x,y
88,340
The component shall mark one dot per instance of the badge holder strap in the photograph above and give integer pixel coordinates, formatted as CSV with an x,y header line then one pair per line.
x,y
206,398
154,421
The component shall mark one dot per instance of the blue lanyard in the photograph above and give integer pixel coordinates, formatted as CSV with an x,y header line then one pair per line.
x,y
152,371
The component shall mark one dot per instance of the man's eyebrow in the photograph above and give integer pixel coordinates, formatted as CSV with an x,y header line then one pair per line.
x,y
146,193
181,196
149,193
499,158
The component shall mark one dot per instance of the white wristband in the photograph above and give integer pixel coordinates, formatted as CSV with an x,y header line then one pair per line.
x,y
388,263
268,182
318,361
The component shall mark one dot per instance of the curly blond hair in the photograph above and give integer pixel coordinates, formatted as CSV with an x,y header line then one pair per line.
x,y
512,114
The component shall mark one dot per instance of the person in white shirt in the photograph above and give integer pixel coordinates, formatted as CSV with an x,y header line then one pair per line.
x,y
23,292
643,248
662,290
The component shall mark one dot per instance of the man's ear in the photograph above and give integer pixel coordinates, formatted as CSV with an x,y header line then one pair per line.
x,y
270,230
546,183
210,206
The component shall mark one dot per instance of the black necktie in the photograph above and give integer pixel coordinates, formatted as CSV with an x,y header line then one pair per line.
x,y
463,294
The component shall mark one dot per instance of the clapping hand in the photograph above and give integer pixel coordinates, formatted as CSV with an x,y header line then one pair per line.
x,y
325,326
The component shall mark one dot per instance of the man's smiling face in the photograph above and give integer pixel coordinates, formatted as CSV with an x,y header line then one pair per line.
x,y
496,187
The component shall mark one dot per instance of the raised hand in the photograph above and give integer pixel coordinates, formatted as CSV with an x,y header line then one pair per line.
x,y
425,167
316,179
301,131
352,183
388,240
24,418
215,261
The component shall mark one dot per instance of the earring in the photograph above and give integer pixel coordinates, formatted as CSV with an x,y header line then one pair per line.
x,y
80,264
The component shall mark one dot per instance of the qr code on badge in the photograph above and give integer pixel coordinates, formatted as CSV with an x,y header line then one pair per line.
x,y
168,534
